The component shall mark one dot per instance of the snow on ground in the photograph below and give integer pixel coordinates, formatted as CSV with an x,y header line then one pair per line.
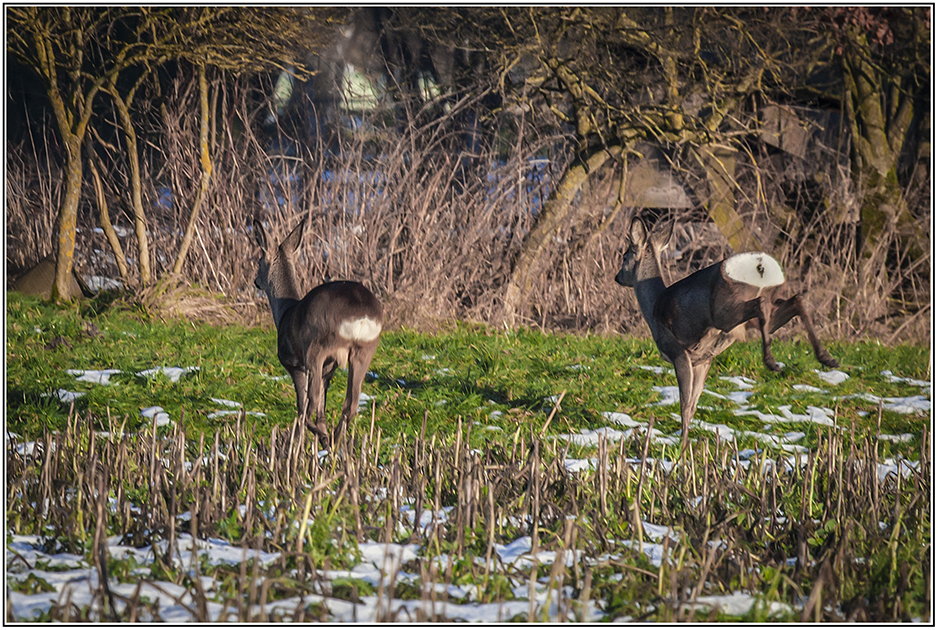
x,y
70,578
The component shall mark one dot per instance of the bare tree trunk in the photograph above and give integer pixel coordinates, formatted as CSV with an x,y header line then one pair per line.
x,y
136,193
72,120
206,162
104,216
720,167
879,113
68,217
548,223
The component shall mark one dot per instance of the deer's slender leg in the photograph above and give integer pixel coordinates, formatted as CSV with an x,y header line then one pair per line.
x,y
765,317
328,370
685,387
358,362
784,310
317,400
300,378
700,378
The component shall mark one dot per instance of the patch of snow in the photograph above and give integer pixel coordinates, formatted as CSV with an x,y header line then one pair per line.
x,y
172,373
907,405
834,377
64,395
156,415
657,532
817,415
739,397
577,465
591,437
98,377
905,437
670,395
653,551
892,378
891,466
234,412
622,419
741,382
364,400
101,283
903,405
811,389
226,403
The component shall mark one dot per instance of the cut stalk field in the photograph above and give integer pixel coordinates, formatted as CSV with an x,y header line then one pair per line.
x,y
154,471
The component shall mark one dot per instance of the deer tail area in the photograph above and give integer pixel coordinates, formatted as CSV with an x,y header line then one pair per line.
x,y
756,269
362,330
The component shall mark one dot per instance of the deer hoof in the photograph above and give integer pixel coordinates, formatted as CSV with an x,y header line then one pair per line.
x,y
827,360
772,364
320,430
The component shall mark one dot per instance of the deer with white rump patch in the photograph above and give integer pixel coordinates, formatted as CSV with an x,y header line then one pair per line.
x,y
693,320
336,324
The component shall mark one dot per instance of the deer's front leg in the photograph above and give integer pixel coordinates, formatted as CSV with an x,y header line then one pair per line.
x,y
686,388
765,321
700,377
300,377
784,310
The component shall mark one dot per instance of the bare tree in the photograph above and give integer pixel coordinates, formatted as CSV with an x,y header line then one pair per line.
x,y
59,43
82,51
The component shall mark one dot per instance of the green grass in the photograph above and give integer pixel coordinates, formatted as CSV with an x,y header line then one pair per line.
x,y
463,374
492,389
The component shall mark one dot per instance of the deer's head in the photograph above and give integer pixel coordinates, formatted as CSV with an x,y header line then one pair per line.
x,y
275,273
642,250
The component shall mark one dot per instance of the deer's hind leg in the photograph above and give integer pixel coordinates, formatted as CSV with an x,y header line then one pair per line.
x,y
316,390
784,310
358,361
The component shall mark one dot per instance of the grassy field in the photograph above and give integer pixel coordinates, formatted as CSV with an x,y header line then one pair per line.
x,y
516,475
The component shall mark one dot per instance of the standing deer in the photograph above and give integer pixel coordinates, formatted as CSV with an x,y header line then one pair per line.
x,y
336,324
693,320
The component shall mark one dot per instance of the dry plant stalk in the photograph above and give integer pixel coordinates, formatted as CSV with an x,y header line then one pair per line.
x,y
432,225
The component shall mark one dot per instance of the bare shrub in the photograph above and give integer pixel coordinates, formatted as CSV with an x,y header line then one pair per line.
x,y
433,222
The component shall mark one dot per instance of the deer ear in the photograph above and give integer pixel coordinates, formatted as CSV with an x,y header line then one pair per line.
x,y
662,234
291,242
260,236
637,232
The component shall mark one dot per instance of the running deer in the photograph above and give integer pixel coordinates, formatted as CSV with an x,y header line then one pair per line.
x,y
694,319
336,324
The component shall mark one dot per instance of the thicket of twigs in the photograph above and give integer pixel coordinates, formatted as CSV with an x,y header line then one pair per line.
x,y
433,227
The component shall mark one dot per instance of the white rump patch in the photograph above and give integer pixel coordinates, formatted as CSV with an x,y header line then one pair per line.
x,y
363,329
756,269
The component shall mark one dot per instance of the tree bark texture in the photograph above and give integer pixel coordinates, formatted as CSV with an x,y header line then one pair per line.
x,y
136,194
205,159
104,215
547,225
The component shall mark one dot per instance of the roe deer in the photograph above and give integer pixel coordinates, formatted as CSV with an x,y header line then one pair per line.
x,y
336,324
693,320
